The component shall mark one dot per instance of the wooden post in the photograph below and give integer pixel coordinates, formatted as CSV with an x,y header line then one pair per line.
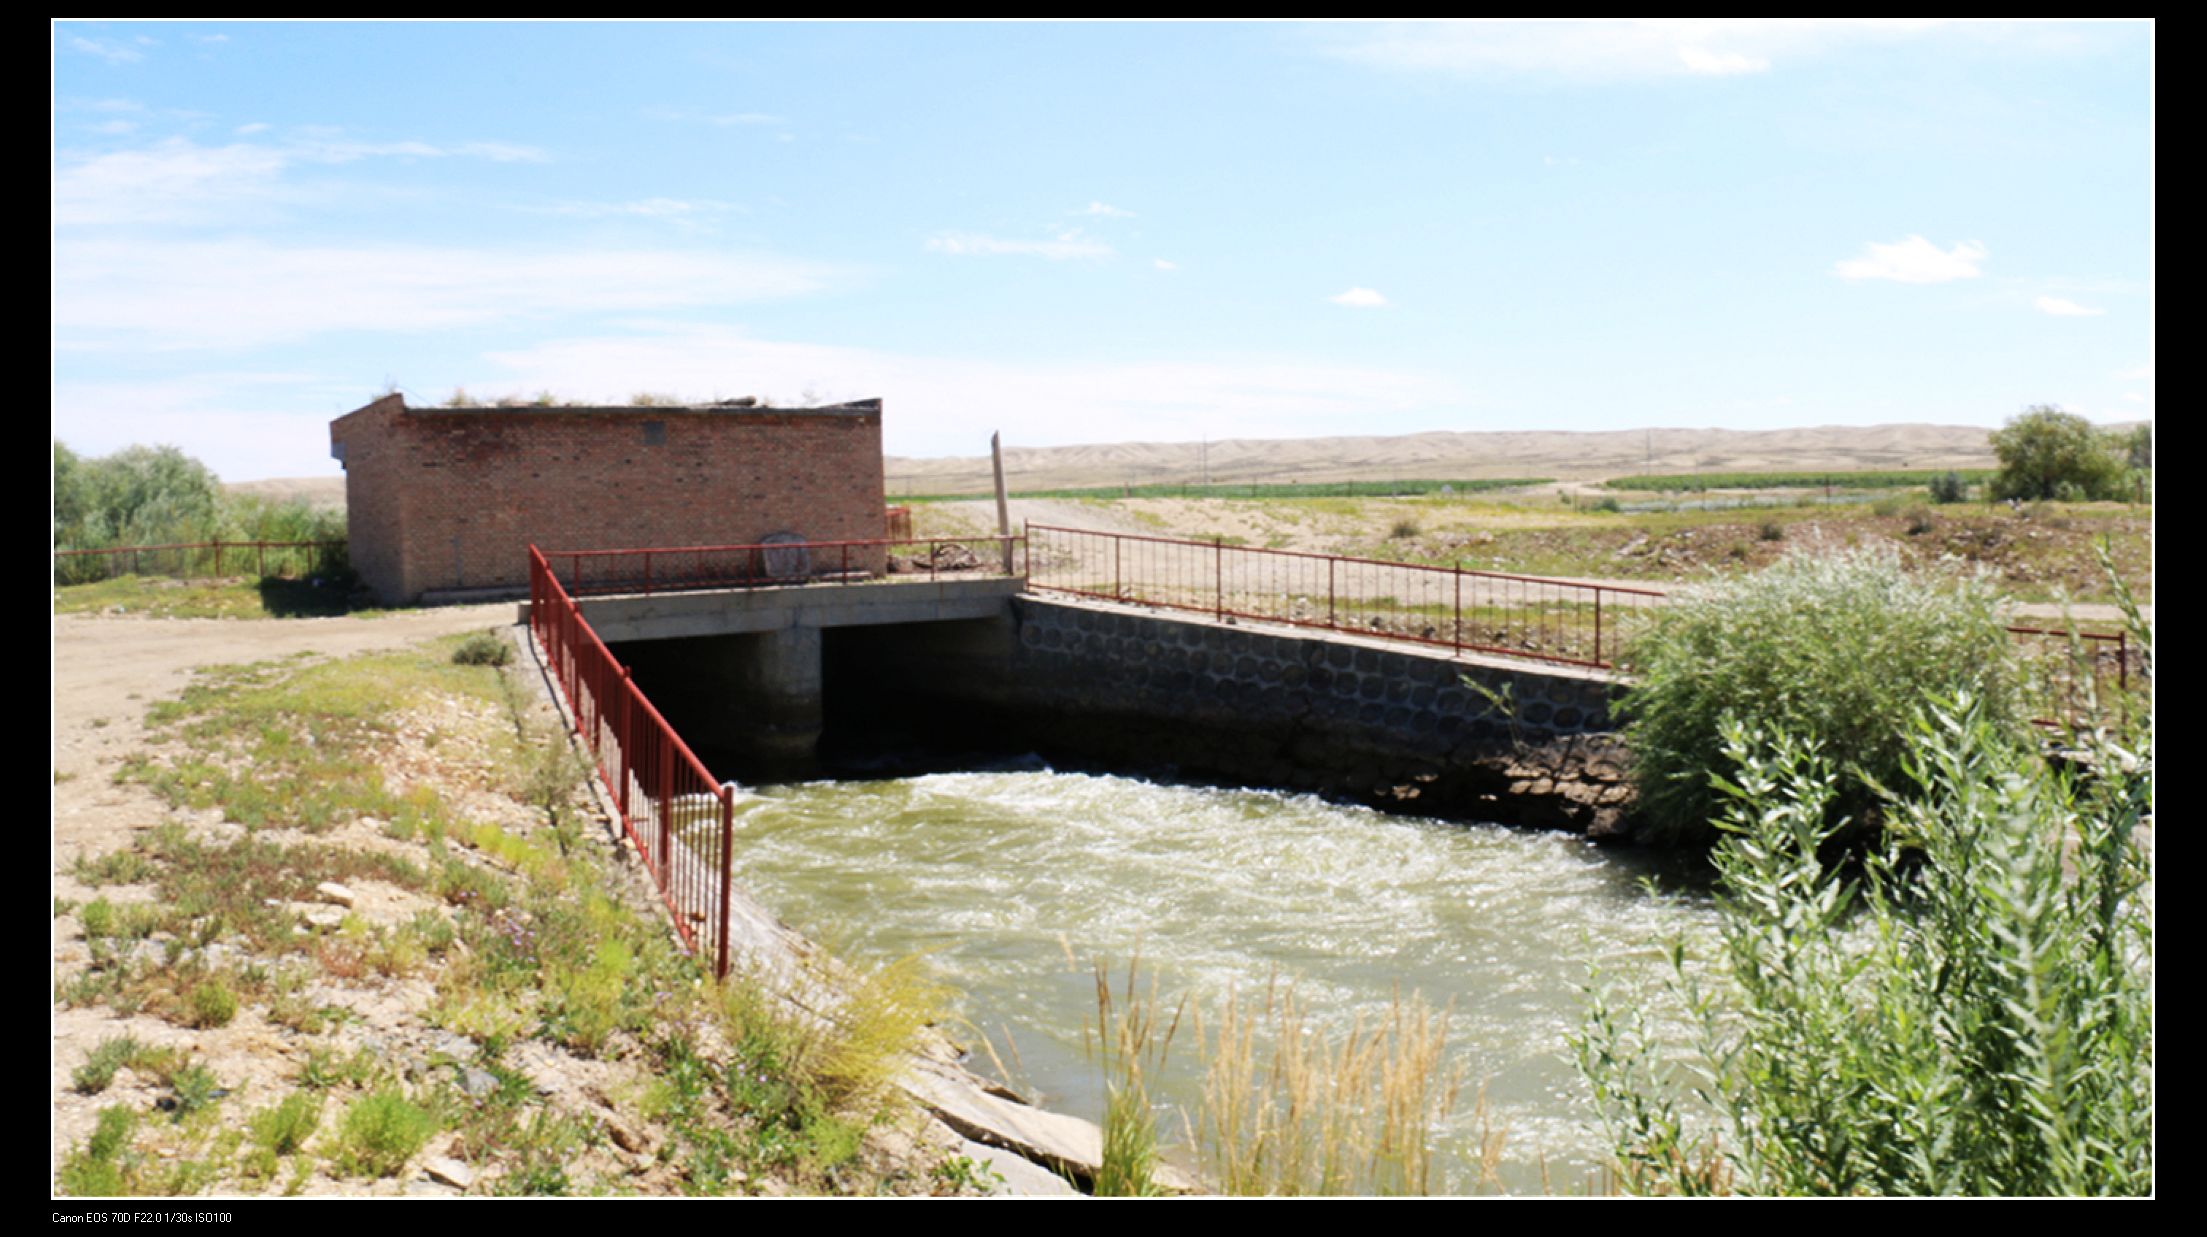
x,y
1003,503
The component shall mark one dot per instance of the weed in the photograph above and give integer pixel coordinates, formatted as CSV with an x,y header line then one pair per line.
x,y
1130,1045
101,1064
193,1089
212,1004
1325,1116
1770,530
484,648
1403,530
122,867
381,1131
957,1174
284,1128
107,1163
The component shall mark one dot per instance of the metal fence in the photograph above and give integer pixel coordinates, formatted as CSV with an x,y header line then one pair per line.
x,y
661,569
680,819
2079,677
197,559
1468,611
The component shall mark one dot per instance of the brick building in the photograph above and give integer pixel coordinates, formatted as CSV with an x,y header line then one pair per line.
x,y
446,501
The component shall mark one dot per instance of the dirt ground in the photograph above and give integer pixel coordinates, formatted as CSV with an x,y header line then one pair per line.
x,y
107,670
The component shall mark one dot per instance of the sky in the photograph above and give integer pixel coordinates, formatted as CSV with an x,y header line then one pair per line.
x,y
1083,233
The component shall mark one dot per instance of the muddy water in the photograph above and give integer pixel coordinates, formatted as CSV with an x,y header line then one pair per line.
x,y
1014,882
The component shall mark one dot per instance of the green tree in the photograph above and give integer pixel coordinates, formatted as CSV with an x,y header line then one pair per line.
x,y
2046,453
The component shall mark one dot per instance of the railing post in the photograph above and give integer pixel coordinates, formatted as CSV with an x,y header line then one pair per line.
x,y
727,863
218,558
1218,577
1598,626
260,550
628,736
647,573
666,803
1459,609
1118,588
1331,563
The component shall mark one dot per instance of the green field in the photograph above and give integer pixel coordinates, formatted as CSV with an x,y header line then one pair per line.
x,y
1875,480
1407,488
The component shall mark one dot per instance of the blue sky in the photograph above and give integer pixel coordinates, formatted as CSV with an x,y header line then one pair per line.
x,y
1096,233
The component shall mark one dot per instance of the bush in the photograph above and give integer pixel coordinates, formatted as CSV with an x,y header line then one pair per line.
x,y
484,648
2047,453
1839,650
1948,487
381,1132
1972,1015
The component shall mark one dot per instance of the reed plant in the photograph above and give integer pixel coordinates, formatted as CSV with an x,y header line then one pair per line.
x,y
1132,1041
1290,1110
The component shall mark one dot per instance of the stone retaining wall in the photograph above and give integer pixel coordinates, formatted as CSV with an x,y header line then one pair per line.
x,y
1386,724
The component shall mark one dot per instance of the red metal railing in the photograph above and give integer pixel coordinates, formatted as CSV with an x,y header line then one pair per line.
x,y
680,819
659,569
1469,611
194,558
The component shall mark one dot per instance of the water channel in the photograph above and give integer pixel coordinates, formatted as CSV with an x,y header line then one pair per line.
x,y
1014,879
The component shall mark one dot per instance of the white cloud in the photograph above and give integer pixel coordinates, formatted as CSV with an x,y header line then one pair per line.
x,y
947,405
1068,246
2062,308
2140,373
1605,50
113,53
1105,210
180,181
251,129
1360,298
1163,265
246,293
1914,260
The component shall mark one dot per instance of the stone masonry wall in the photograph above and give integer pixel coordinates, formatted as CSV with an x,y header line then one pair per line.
x,y
1393,726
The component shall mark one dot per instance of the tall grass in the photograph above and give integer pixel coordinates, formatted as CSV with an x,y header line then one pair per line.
x,y
1289,1110
1132,1046
1286,1108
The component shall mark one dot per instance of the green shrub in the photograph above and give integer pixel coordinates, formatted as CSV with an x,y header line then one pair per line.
x,y
1839,650
100,1065
212,1004
1971,1014
284,1128
382,1131
483,649
1948,487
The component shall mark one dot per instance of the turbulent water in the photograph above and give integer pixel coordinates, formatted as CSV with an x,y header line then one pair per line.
x,y
1015,882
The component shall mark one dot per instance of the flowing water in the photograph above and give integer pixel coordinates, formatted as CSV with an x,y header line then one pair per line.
x,y
1016,881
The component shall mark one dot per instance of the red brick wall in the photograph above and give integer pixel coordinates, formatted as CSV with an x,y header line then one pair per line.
x,y
452,498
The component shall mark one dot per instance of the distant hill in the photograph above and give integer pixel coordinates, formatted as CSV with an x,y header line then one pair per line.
x,y
1566,455
1561,454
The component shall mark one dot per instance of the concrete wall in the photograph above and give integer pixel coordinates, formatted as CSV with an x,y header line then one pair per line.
x,y
449,499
